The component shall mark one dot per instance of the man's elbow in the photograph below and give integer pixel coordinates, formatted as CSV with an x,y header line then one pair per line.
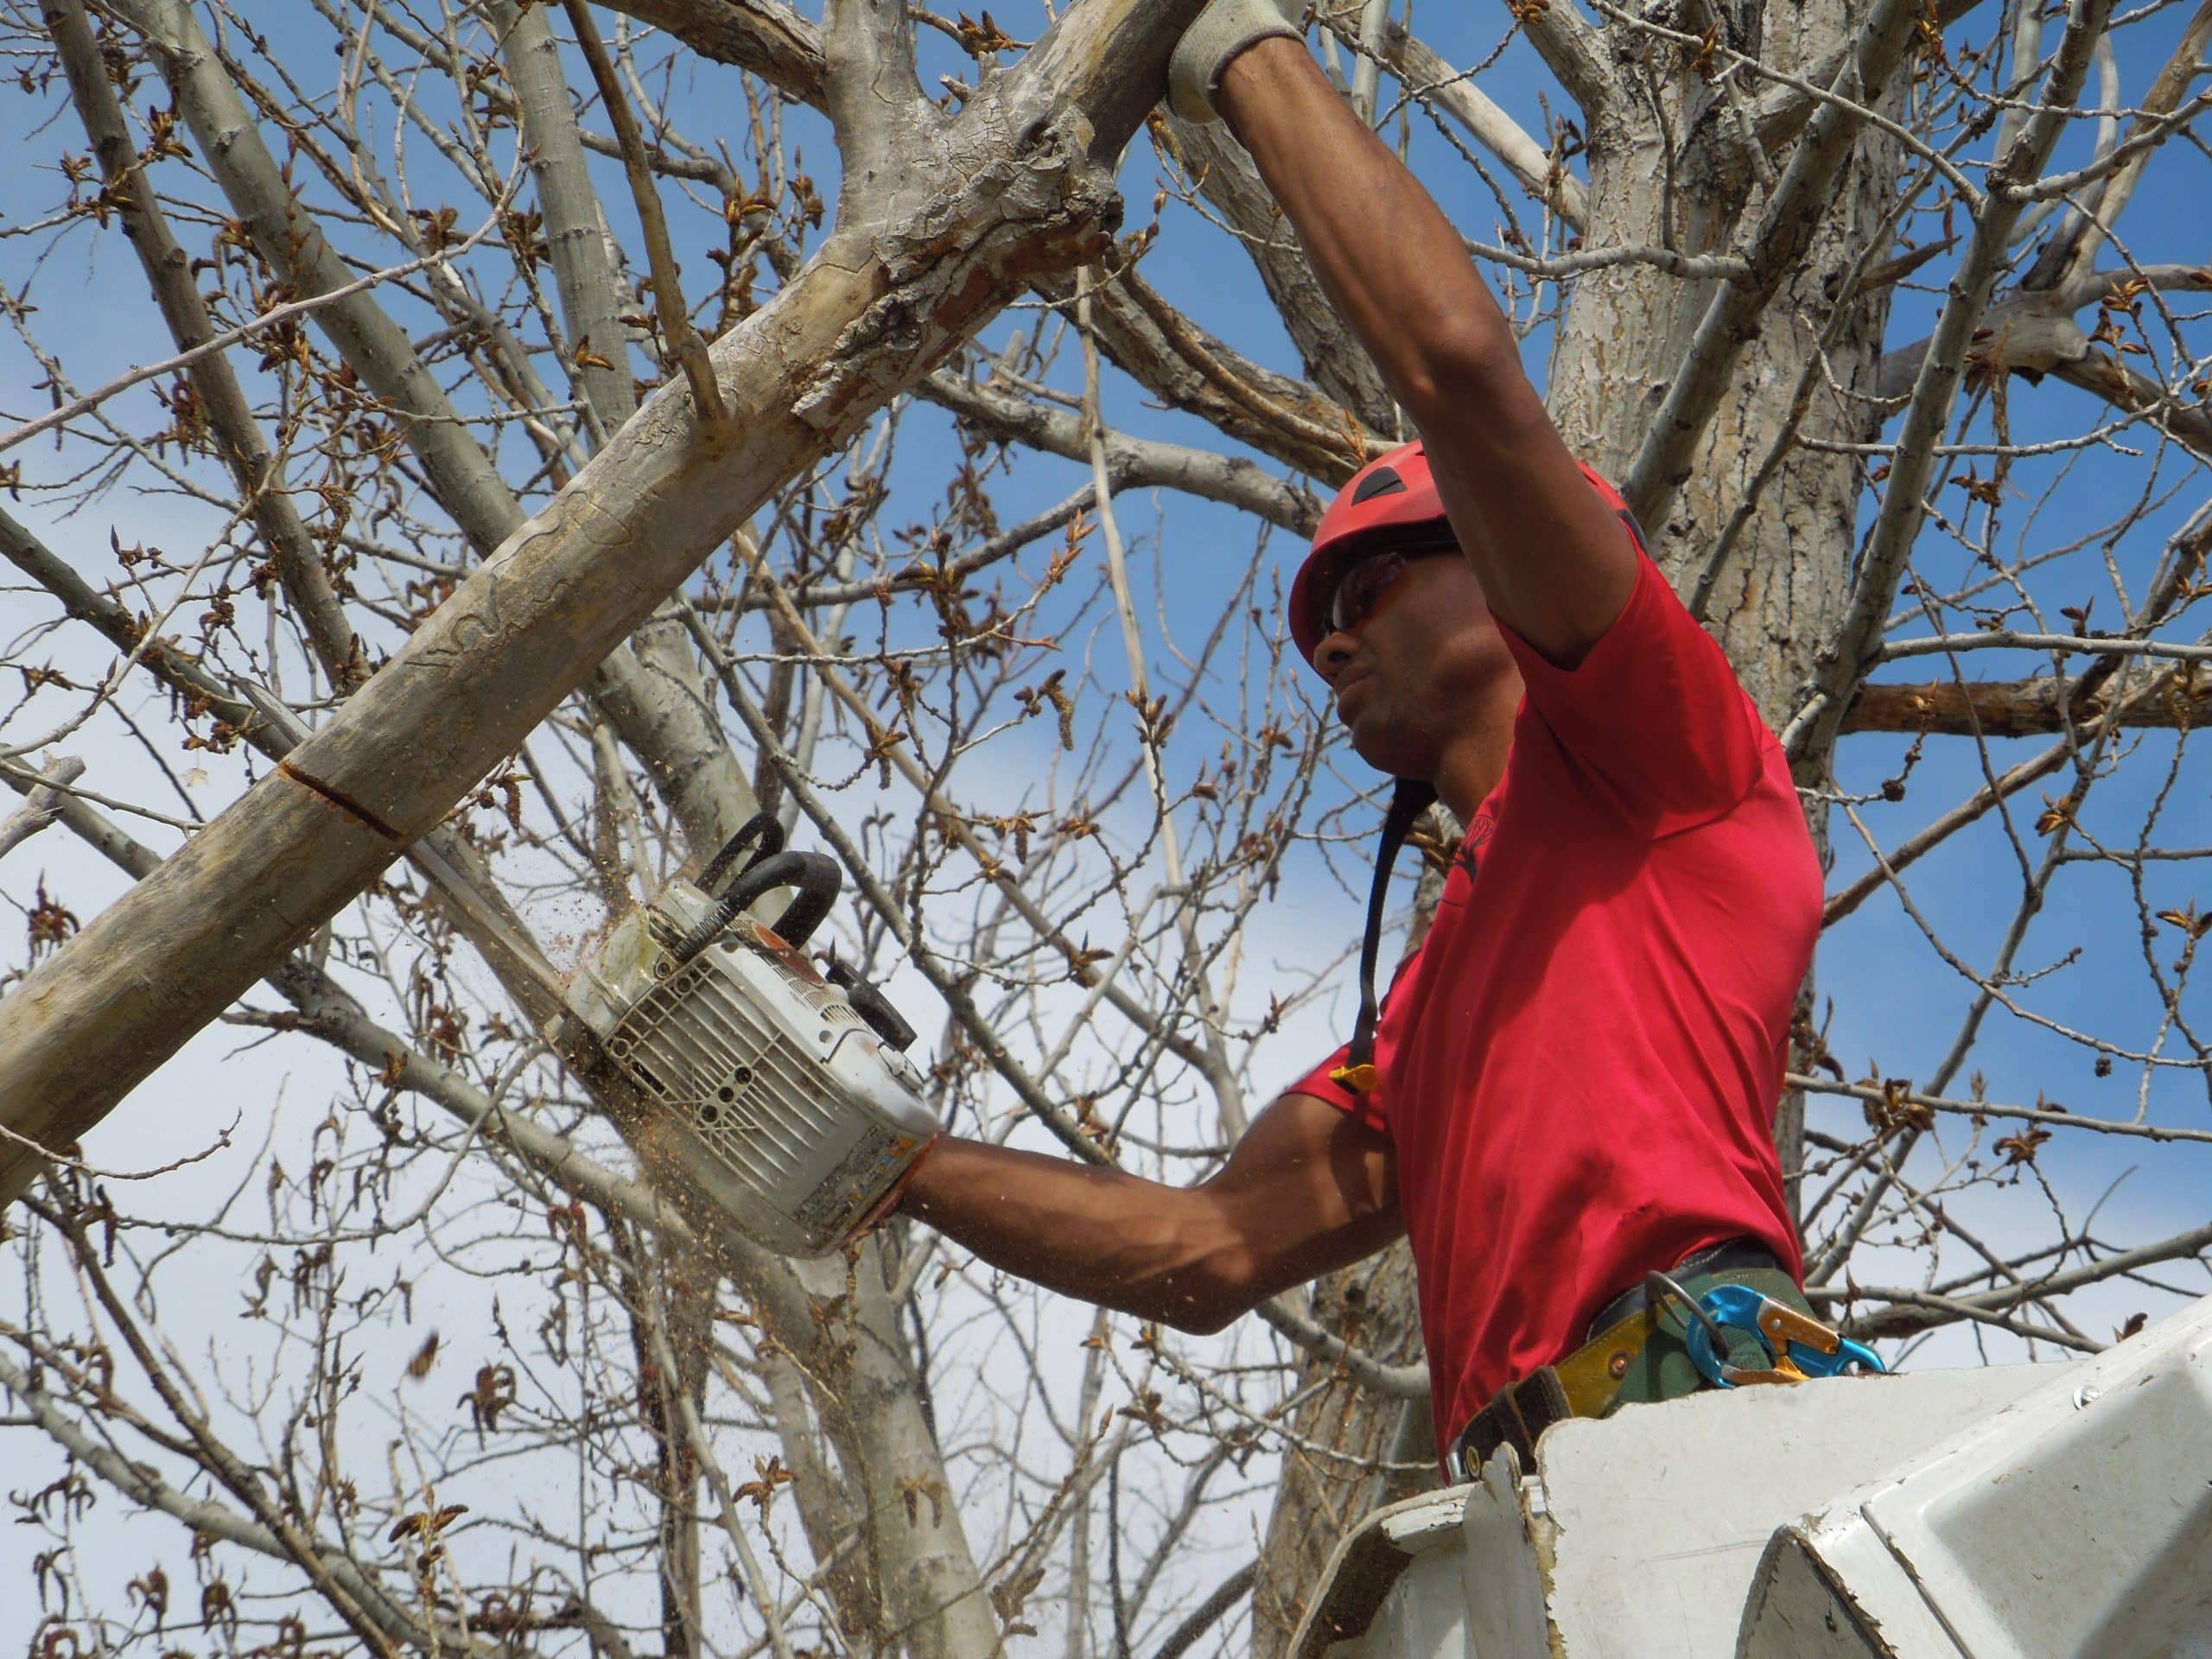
x,y
1211,1296
1463,364
1195,1318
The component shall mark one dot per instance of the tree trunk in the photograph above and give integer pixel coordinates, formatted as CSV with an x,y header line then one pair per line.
x,y
1341,1441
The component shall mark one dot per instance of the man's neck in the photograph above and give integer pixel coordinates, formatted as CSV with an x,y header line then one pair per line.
x,y
1471,766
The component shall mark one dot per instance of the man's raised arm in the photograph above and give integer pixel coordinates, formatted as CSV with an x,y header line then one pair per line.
x,y
1308,1189
1553,559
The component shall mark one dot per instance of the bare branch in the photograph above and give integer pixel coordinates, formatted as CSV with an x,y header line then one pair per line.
x,y
884,124
1397,1381
676,330
2058,266
1224,173
144,1484
2027,708
260,478
1208,1613
764,37
588,286
804,372
1131,463
2047,1116
43,804
1927,1309
1936,389
1188,369
1426,76
277,318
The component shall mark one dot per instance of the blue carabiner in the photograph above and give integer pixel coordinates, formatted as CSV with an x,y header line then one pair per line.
x,y
1797,1346
1847,1354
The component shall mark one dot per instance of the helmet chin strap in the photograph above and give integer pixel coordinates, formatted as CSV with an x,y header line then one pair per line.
x,y
1411,797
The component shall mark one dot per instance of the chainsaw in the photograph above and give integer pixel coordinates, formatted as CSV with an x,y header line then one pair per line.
x,y
782,1092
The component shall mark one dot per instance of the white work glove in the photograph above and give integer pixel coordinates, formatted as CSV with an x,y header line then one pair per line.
x,y
1221,31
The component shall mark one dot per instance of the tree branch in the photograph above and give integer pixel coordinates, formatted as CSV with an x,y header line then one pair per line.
x,y
1897,524
1230,1590
1782,110
2064,260
253,465
2049,1116
2183,558
1131,462
677,336
1189,369
2033,333
479,911
2034,708
1923,1310
1024,188
1398,1381
582,271
876,104
327,1010
143,1484
43,803
1426,76
1210,155
683,754
762,38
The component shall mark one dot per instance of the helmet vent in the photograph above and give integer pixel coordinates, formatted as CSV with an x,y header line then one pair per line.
x,y
1381,481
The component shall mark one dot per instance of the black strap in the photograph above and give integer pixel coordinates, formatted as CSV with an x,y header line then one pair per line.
x,y
1517,1415
1411,797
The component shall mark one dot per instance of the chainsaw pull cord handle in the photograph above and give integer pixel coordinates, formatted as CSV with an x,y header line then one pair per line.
x,y
816,876
763,827
1411,797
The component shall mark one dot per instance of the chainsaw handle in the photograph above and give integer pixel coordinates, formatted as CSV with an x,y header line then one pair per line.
x,y
817,877
762,827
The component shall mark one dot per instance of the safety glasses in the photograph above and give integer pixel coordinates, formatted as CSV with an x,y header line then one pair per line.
x,y
1359,589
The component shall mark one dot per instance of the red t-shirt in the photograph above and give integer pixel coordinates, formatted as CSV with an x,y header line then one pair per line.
x,y
1579,1069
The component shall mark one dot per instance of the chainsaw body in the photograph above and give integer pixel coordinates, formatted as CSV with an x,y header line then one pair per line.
x,y
742,1052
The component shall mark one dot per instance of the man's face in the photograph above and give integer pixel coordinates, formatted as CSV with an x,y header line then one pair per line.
x,y
1410,676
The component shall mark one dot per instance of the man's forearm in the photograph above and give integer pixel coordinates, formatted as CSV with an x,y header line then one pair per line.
x,y
1157,1252
1391,263
1553,561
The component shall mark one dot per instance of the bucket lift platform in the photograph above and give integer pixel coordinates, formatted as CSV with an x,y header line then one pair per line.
x,y
2060,1512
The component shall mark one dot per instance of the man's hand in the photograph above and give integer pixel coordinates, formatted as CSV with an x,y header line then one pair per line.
x,y
1221,31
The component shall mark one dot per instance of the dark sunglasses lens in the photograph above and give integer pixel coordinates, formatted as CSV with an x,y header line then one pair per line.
x,y
1361,585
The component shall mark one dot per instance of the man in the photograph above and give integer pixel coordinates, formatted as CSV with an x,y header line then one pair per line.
x,y
1572,1082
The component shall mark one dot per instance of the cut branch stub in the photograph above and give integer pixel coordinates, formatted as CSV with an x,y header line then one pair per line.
x,y
1026,187
764,37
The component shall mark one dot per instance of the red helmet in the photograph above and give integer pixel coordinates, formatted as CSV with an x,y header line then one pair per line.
x,y
1390,502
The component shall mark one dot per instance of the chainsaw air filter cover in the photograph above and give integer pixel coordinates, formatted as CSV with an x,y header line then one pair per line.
x,y
762,1064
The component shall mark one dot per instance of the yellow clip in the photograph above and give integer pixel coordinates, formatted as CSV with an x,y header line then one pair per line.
x,y
1360,1079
